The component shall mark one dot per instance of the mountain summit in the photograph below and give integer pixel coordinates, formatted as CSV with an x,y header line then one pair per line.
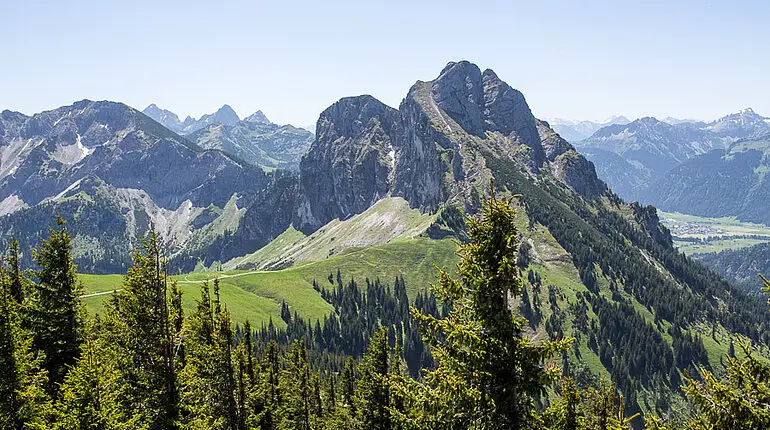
x,y
431,150
224,115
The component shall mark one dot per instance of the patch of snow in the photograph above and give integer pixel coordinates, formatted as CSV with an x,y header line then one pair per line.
x,y
66,190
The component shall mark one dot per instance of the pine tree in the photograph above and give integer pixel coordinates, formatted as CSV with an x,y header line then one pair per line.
x,y
373,390
208,381
18,283
93,390
55,311
297,389
24,402
487,372
141,325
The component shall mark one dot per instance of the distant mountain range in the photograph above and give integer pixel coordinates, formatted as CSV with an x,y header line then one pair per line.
x,y
225,115
636,158
576,130
254,139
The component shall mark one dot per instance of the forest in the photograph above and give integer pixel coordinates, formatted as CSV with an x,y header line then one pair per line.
x,y
457,357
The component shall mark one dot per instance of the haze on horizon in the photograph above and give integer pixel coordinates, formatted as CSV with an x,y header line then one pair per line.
x,y
293,59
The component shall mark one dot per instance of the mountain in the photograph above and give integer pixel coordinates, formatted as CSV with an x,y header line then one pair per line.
x,y
255,140
431,150
634,156
224,115
113,173
258,141
630,156
741,266
575,131
676,121
597,268
742,125
731,182
165,117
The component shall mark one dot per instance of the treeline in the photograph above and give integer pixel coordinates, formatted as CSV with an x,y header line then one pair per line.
x,y
358,314
146,364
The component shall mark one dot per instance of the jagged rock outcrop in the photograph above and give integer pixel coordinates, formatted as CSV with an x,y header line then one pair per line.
x,y
349,165
567,165
431,151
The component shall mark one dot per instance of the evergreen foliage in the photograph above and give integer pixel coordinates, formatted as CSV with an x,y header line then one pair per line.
x,y
487,372
54,309
146,364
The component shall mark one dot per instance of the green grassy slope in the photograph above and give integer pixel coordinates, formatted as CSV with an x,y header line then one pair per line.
x,y
389,220
256,295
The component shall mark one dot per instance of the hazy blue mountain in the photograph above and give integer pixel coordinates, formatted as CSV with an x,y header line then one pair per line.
x,y
574,130
742,125
648,148
257,141
224,115
730,182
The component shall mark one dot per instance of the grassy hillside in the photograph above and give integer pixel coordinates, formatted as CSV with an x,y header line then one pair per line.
x,y
389,220
256,295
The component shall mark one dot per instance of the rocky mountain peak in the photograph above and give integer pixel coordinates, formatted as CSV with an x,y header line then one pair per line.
x,y
459,91
741,125
350,115
224,115
257,117
167,118
482,102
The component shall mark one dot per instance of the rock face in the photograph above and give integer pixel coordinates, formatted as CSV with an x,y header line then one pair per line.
x,y
431,150
348,167
567,165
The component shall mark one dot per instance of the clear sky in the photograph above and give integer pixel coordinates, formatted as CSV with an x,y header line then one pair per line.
x,y
291,59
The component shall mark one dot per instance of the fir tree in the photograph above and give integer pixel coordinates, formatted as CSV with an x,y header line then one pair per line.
x,y
142,328
373,390
54,311
487,372
24,402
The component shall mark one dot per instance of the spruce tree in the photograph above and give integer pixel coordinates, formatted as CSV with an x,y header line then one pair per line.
x,y
92,392
208,379
373,390
488,373
24,401
296,389
142,327
55,310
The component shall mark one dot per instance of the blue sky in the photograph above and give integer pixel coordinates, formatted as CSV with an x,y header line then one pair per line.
x,y
291,59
